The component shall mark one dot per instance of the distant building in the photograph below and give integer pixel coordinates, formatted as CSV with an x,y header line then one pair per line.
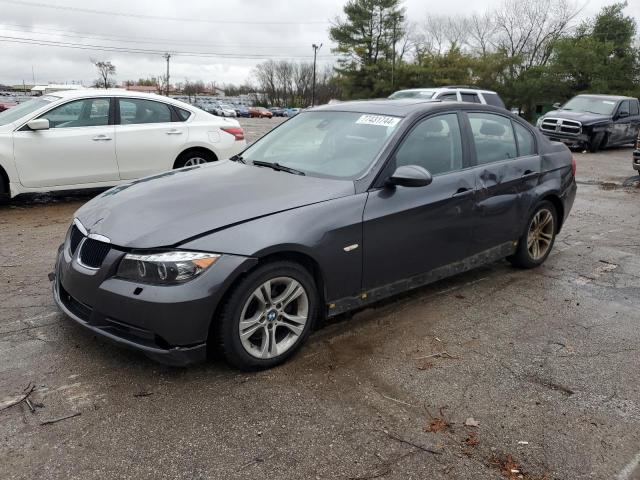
x,y
143,88
44,89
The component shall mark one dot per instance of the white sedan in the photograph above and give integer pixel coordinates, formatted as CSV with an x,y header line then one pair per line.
x,y
99,138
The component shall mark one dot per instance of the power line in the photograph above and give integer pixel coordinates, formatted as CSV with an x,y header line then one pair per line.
x,y
156,17
142,51
122,38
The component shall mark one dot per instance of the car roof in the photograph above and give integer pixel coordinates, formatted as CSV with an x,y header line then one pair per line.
x,y
402,107
446,89
606,97
114,92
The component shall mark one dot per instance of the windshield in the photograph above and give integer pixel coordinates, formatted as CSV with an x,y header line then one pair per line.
x,y
19,111
325,144
591,105
425,94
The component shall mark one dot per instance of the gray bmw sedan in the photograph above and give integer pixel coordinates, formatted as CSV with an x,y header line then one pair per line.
x,y
339,207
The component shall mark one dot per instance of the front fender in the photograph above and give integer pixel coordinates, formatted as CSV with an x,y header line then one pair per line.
x,y
329,233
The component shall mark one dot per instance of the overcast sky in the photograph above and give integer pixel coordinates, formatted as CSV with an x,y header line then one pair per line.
x,y
235,28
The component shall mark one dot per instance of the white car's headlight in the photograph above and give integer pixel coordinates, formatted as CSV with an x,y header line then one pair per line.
x,y
539,122
165,268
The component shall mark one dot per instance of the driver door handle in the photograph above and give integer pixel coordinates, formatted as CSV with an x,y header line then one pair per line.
x,y
104,138
463,192
174,131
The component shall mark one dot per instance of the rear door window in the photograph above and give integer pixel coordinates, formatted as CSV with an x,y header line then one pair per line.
x,y
470,97
634,108
526,141
493,137
138,111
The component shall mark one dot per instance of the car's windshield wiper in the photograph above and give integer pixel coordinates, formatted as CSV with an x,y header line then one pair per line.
x,y
237,158
276,166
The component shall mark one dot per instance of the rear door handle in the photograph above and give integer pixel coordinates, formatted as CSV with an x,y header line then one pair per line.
x,y
103,138
463,192
529,174
174,132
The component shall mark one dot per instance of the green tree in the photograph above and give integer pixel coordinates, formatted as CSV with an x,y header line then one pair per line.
x,y
600,57
366,42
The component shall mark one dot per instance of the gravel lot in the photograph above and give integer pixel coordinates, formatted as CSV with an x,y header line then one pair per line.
x,y
545,361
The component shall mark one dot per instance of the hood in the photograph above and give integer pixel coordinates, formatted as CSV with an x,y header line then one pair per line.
x,y
583,117
166,209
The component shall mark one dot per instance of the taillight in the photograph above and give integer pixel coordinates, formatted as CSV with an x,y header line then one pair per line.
x,y
237,132
573,165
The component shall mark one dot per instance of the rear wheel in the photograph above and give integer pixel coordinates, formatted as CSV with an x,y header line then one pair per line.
x,y
267,316
193,158
535,244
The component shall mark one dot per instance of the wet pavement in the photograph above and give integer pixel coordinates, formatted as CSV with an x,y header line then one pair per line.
x,y
496,373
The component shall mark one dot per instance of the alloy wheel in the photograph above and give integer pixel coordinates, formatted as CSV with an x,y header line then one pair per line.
x,y
274,317
540,236
195,161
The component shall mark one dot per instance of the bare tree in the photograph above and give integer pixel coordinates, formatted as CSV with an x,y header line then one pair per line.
x,y
528,28
481,33
106,70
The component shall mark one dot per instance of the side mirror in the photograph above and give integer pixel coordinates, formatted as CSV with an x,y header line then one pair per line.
x,y
38,124
410,176
623,114
557,105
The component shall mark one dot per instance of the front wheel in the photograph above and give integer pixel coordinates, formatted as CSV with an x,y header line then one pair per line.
x,y
595,142
535,244
267,316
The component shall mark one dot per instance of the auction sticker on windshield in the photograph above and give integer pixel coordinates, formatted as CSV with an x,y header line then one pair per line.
x,y
380,120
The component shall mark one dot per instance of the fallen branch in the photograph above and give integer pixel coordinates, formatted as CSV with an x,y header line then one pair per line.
x,y
440,354
396,400
407,442
18,401
60,419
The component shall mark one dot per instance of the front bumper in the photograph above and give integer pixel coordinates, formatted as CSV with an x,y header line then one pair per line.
x,y
569,140
170,324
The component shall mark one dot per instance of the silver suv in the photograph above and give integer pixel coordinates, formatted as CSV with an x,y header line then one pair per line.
x,y
459,93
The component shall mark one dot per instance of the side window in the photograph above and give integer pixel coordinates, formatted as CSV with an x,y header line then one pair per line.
x,y
634,108
435,144
470,97
493,99
624,107
526,141
137,110
449,97
183,115
493,137
90,112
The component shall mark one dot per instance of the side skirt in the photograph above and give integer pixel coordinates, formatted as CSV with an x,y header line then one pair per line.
x,y
374,295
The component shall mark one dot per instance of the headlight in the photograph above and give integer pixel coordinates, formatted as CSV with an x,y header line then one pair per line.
x,y
166,268
539,122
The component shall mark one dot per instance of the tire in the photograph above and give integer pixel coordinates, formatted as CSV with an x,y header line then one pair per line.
x,y
595,142
525,256
264,320
193,158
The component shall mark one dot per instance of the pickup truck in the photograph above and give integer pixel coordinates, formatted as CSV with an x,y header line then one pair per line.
x,y
593,121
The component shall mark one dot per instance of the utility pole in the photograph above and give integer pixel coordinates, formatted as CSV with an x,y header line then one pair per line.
x,y
313,88
393,62
167,57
